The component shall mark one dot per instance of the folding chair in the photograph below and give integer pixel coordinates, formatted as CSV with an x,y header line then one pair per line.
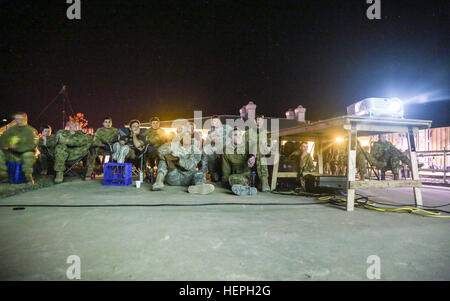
x,y
71,164
141,160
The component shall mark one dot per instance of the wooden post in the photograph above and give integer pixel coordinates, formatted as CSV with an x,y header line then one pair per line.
x,y
320,155
414,167
351,167
276,164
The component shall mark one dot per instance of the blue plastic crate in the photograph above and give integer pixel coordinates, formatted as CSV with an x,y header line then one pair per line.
x,y
15,173
117,174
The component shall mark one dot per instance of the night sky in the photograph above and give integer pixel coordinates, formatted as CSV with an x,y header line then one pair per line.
x,y
137,59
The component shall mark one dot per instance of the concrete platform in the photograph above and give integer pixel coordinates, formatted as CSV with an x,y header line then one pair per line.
x,y
225,242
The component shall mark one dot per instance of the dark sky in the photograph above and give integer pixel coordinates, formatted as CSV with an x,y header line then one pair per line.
x,y
136,59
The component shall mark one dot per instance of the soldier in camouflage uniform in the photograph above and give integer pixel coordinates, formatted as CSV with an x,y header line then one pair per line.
x,y
156,137
178,166
237,165
214,146
259,148
46,147
304,161
71,145
385,156
18,144
102,143
131,143
329,160
342,160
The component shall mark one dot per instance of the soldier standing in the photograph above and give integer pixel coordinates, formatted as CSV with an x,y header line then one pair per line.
x,y
71,145
342,160
102,143
18,144
178,166
46,147
237,165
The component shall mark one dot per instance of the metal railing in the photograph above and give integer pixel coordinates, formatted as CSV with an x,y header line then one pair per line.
x,y
437,153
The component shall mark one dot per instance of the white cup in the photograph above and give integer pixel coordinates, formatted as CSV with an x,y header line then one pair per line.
x,y
138,184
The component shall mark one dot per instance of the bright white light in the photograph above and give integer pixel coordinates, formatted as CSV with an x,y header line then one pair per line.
x,y
394,106
339,139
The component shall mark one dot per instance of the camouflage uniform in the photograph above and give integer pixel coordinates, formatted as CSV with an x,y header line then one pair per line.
x,y
46,152
304,164
70,148
213,153
385,156
329,160
155,138
185,172
24,140
261,164
235,169
342,161
128,152
102,136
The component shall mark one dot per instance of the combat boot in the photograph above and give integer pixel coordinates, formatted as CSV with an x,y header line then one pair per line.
x,y
29,179
215,177
243,190
4,177
88,175
201,188
59,177
159,182
265,184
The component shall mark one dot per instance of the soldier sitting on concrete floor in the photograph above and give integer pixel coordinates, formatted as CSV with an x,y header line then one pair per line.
x,y
178,166
102,143
237,165
71,146
131,142
46,147
385,156
18,144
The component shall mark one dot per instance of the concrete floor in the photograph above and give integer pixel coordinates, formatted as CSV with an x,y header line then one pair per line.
x,y
240,242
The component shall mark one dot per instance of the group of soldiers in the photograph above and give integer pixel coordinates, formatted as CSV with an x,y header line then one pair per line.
x,y
180,158
383,156
183,158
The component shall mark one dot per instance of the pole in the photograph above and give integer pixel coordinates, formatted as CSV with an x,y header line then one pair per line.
x,y
63,113
445,165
